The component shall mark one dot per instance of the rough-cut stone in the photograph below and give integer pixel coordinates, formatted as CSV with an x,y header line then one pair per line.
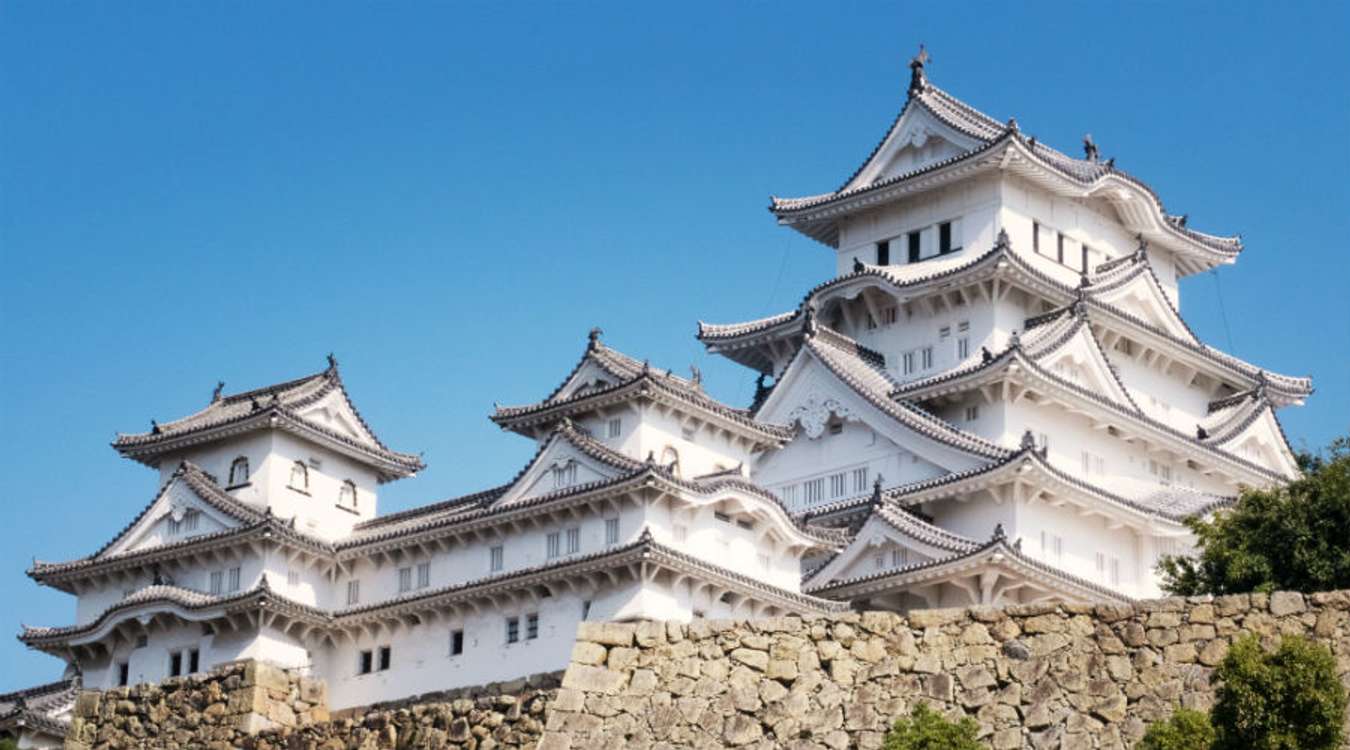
x,y
1033,676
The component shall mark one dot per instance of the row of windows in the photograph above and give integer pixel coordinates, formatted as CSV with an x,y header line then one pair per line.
x,y
1062,251
899,558
300,481
405,578
920,245
381,659
181,662
366,660
921,359
224,581
812,491
185,525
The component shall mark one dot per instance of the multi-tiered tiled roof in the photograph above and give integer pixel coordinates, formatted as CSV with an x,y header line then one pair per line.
x,y
281,406
993,145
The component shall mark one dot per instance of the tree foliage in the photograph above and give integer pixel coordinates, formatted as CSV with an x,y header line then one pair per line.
x,y
926,729
1290,699
8,744
1290,538
1186,729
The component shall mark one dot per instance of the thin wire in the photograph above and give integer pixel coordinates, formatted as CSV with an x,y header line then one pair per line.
x,y
1223,312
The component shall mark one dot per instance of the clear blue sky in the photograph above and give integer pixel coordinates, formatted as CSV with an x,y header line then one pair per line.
x,y
449,195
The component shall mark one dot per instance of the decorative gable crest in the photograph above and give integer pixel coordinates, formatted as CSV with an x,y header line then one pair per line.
x,y
813,413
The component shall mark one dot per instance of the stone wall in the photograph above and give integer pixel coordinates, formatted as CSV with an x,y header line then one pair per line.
x,y
1039,676
255,706
214,710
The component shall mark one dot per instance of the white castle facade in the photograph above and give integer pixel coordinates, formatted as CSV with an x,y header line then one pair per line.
x,y
993,400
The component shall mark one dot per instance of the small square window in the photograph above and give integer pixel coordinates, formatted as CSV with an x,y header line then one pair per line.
x,y
611,531
972,413
495,558
423,575
385,657
573,541
615,427
365,663
234,579
512,629
353,592
405,580
554,544
292,578
531,626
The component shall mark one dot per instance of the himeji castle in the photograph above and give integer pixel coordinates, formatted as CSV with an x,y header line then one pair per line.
x,y
992,399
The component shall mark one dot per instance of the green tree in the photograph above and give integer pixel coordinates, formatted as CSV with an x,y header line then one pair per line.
x,y
1289,538
1186,729
926,729
8,744
1287,700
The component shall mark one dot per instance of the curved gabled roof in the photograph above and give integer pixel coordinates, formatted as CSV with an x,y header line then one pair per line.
x,y
816,215
634,379
998,550
277,405
1283,389
873,384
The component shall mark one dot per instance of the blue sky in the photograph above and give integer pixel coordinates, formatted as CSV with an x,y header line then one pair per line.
x,y
448,196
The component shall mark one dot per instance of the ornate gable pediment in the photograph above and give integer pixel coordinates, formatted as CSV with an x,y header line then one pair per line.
x,y
918,140
589,376
1081,361
176,515
877,547
1142,297
809,396
1261,442
557,467
334,413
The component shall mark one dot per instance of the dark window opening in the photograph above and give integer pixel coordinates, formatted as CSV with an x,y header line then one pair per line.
x,y
1087,251
384,658
512,629
366,665
913,239
884,253
1035,237
175,663
456,642
1061,247
531,627
944,237
194,661
123,674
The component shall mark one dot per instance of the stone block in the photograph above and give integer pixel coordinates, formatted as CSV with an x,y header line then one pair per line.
x,y
607,633
593,679
1286,603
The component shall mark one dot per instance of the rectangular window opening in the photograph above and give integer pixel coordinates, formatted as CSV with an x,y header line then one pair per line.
x,y
884,253
423,575
531,626
495,558
365,663
385,657
573,541
914,240
611,531
512,629
456,642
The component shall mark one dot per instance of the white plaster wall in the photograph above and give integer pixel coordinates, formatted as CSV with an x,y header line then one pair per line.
x,y
856,446
92,602
973,203
420,655
150,663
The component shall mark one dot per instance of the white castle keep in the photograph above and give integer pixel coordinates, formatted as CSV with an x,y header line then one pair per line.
x,y
993,400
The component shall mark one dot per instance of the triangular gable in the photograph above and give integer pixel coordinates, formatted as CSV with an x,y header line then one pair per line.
x,y
1077,356
809,392
175,501
334,412
590,375
1261,441
1140,295
917,139
888,540
565,460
